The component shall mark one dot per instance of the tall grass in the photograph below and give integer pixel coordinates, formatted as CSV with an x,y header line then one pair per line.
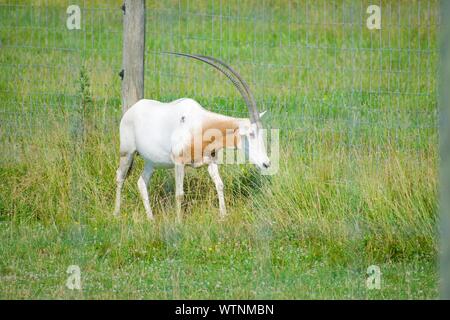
x,y
345,210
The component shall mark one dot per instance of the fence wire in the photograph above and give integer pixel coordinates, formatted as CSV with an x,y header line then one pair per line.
x,y
323,75
315,65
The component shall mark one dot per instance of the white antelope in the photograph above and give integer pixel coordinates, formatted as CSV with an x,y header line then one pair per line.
x,y
183,133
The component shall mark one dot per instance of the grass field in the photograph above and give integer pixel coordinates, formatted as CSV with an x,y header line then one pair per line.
x,y
357,182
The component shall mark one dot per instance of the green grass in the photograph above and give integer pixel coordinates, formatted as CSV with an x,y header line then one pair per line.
x,y
357,182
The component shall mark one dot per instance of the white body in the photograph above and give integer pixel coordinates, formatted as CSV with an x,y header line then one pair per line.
x,y
161,132
155,129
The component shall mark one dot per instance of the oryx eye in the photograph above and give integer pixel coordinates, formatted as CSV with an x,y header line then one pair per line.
x,y
252,134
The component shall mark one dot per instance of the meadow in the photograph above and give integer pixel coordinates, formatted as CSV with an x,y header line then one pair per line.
x,y
357,179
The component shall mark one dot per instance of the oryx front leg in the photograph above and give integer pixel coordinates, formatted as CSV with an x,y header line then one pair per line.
x,y
126,159
179,193
143,188
213,170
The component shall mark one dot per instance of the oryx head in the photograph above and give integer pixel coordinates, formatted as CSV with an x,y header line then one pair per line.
x,y
253,143
250,130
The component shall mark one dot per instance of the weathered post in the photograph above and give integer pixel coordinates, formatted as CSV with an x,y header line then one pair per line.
x,y
133,52
444,142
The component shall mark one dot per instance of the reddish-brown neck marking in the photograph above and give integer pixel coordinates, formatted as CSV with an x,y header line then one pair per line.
x,y
217,132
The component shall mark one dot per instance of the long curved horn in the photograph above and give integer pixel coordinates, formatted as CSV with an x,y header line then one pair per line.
x,y
253,109
240,83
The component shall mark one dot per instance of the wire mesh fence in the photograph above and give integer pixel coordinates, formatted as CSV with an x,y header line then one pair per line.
x,y
315,65
326,77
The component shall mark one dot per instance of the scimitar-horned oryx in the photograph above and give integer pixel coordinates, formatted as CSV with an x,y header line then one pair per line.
x,y
183,133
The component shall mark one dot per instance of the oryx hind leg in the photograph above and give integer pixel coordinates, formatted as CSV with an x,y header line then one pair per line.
x,y
126,160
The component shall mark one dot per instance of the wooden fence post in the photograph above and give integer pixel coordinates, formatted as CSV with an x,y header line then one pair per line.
x,y
444,142
133,52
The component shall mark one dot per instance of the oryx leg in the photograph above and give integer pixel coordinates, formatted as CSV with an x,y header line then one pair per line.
x,y
143,188
126,159
179,193
213,170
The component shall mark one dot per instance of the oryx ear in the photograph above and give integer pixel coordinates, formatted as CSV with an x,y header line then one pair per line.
x,y
261,114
